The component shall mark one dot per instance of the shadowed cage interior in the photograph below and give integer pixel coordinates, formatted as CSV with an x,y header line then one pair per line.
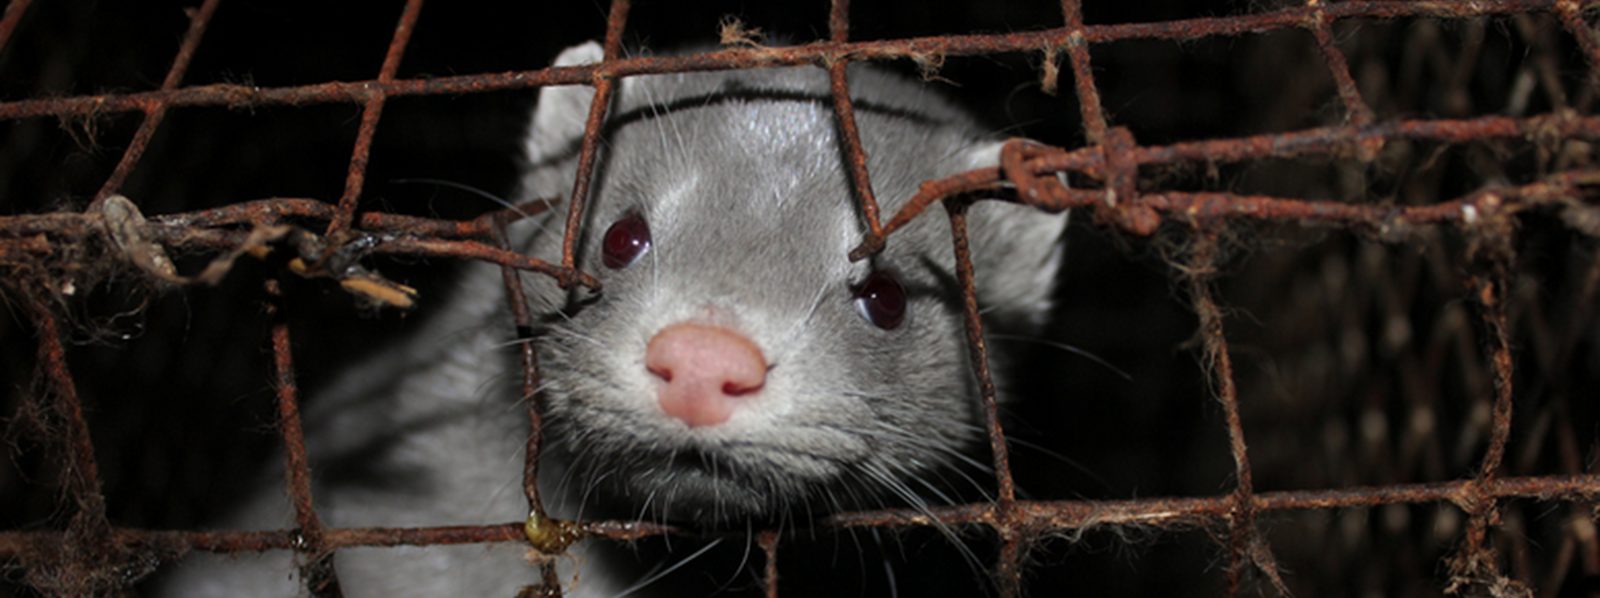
x,y
1325,326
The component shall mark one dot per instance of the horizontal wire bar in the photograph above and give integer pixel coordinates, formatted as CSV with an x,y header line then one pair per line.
x,y
1063,515
233,95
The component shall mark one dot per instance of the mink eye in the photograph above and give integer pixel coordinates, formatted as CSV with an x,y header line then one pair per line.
x,y
881,300
625,241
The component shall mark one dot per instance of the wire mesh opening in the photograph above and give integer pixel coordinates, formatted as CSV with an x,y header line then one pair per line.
x,y
1363,359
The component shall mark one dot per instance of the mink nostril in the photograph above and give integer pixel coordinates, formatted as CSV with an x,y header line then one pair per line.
x,y
734,389
664,373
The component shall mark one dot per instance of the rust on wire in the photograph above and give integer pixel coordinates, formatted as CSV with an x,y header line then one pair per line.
x,y
769,547
316,558
544,533
1094,117
1173,513
1356,110
1246,547
86,559
1191,512
198,20
480,251
616,20
1476,562
855,156
1008,571
277,209
41,238
234,95
83,478
529,362
372,110
17,543
1571,14
15,9
1024,164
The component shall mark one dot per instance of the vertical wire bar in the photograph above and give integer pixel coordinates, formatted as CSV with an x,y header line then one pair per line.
x,y
83,471
355,177
551,583
157,111
1571,14
530,376
604,83
550,580
855,155
317,568
356,174
839,21
1219,367
1493,293
1244,546
529,396
318,571
1009,569
399,41
8,23
1356,108
1008,565
769,547
1094,117
1491,296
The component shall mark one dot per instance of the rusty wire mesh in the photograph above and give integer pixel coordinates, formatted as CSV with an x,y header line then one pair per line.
x,y
46,256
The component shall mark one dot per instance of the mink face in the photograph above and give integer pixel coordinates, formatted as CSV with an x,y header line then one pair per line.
x,y
736,367
737,364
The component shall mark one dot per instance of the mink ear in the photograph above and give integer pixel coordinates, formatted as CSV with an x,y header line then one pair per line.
x,y
559,117
1016,251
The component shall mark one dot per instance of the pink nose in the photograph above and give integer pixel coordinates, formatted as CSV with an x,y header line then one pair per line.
x,y
706,370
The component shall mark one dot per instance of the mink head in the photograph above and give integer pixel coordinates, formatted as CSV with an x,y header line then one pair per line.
x,y
737,364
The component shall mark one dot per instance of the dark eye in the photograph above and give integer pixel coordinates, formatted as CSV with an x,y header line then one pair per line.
x,y
625,241
881,300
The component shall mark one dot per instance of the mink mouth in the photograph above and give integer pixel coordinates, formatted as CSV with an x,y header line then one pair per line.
x,y
706,486
690,485
728,482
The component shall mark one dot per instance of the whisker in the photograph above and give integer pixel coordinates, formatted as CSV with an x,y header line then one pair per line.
x,y
916,503
800,325
568,332
1065,347
744,559
656,576
888,571
473,190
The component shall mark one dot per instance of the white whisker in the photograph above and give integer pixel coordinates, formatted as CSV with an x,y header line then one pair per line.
x,y
1065,347
655,576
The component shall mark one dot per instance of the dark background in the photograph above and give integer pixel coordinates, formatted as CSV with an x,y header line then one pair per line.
x,y
1359,361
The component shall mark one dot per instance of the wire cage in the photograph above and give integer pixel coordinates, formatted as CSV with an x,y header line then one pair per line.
x,y
1346,252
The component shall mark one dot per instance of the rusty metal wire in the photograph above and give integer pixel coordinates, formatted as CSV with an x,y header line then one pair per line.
x,y
1246,547
8,22
156,112
239,96
92,555
316,559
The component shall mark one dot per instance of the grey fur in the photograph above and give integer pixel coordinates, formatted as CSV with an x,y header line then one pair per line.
x,y
740,176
